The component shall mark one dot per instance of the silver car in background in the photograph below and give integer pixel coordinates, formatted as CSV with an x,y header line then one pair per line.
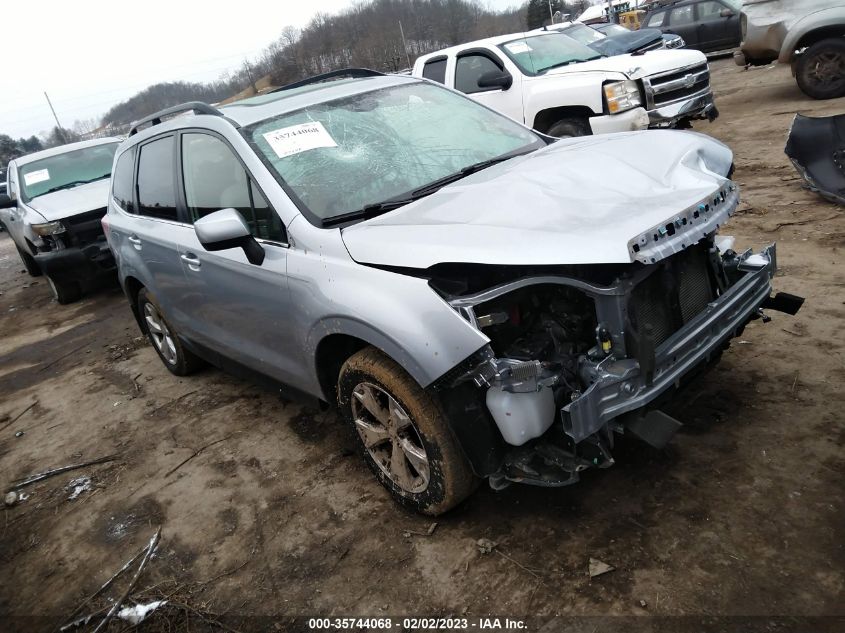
x,y
479,300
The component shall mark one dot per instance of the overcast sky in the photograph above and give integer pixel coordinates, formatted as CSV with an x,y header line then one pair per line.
x,y
91,54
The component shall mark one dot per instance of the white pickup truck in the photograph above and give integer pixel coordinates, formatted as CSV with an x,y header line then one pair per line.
x,y
563,88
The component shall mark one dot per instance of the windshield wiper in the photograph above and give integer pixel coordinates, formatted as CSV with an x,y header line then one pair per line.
x,y
372,210
70,185
571,61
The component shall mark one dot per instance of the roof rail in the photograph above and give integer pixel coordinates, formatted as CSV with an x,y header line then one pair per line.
x,y
197,107
355,73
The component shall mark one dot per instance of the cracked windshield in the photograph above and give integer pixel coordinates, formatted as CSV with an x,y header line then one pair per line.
x,y
339,156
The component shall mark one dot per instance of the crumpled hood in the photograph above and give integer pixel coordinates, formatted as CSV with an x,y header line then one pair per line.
x,y
577,201
634,66
68,202
627,42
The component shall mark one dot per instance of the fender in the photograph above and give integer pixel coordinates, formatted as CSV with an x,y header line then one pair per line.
x,y
833,16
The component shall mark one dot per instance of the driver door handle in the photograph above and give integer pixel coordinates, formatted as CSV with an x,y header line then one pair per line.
x,y
192,260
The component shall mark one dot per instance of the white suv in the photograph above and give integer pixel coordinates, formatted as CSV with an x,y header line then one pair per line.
x,y
563,88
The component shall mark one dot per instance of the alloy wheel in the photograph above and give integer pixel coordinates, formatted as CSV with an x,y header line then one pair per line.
x,y
160,334
390,437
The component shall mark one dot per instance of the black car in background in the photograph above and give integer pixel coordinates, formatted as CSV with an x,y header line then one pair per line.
x,y
705,25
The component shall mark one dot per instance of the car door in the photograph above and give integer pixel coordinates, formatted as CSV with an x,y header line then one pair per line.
x,y
471,64
681,20
146,232
239,309
718,26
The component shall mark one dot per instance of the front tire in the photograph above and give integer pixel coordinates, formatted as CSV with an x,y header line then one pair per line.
x,y
29,262
165,340
65,291
403,434
820,70
569,128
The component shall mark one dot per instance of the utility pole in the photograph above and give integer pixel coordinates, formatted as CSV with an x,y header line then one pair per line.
x,y
551,15
58,125
404,44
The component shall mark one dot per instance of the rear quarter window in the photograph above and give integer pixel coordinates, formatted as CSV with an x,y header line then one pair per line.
x,y
124,172
435,70
656,19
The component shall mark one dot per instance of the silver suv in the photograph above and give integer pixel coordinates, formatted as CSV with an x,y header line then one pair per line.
x,y
479,300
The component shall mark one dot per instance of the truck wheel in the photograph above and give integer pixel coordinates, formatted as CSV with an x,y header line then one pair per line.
x,y
567,128
65,291
29,262
820,70
178,360
403,434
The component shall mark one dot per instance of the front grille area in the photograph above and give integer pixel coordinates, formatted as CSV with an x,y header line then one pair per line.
x,y
673,86
677,291
85,228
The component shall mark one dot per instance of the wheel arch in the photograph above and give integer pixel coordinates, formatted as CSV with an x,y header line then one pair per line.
x,y
131,287
824,27
545,119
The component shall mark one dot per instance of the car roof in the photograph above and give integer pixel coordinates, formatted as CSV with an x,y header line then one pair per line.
x,y
656,8
254,109
62,149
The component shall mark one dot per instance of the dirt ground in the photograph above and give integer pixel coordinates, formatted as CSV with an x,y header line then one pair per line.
x,y
738,522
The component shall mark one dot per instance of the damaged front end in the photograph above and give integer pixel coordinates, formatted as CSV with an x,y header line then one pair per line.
x,y
579,353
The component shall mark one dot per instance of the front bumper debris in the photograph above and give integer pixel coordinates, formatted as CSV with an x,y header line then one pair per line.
x,y
628,121
77,264
699,106
816,147
620,386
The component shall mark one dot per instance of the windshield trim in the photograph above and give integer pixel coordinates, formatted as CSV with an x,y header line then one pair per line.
x,y
314,219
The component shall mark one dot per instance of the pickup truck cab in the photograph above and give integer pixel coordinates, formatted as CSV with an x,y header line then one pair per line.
x,y
52,209
562,88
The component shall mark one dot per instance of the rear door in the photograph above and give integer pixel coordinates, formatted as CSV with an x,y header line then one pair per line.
x,y
471,64
144,232
681,20
240,309
715,30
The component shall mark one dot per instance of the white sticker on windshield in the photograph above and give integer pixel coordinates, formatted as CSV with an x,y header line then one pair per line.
x,y
518,47
34,177
295,139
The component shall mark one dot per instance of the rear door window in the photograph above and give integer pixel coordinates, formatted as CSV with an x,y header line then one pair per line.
x,y
156,180
682,15
215,179
435,70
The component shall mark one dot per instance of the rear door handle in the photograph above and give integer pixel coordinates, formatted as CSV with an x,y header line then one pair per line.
x,y
135,241
192,260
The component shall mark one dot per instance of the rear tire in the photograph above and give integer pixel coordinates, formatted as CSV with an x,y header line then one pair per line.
x,y
820,70
403,434
29,262
65,291
165,340
569,128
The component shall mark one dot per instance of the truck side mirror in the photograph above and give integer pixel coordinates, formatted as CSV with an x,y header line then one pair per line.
x,y
496,79
6,201
227,229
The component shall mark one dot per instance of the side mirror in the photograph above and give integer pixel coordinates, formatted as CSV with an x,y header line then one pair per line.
x,y
6,201
496,79
726,13
227,229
